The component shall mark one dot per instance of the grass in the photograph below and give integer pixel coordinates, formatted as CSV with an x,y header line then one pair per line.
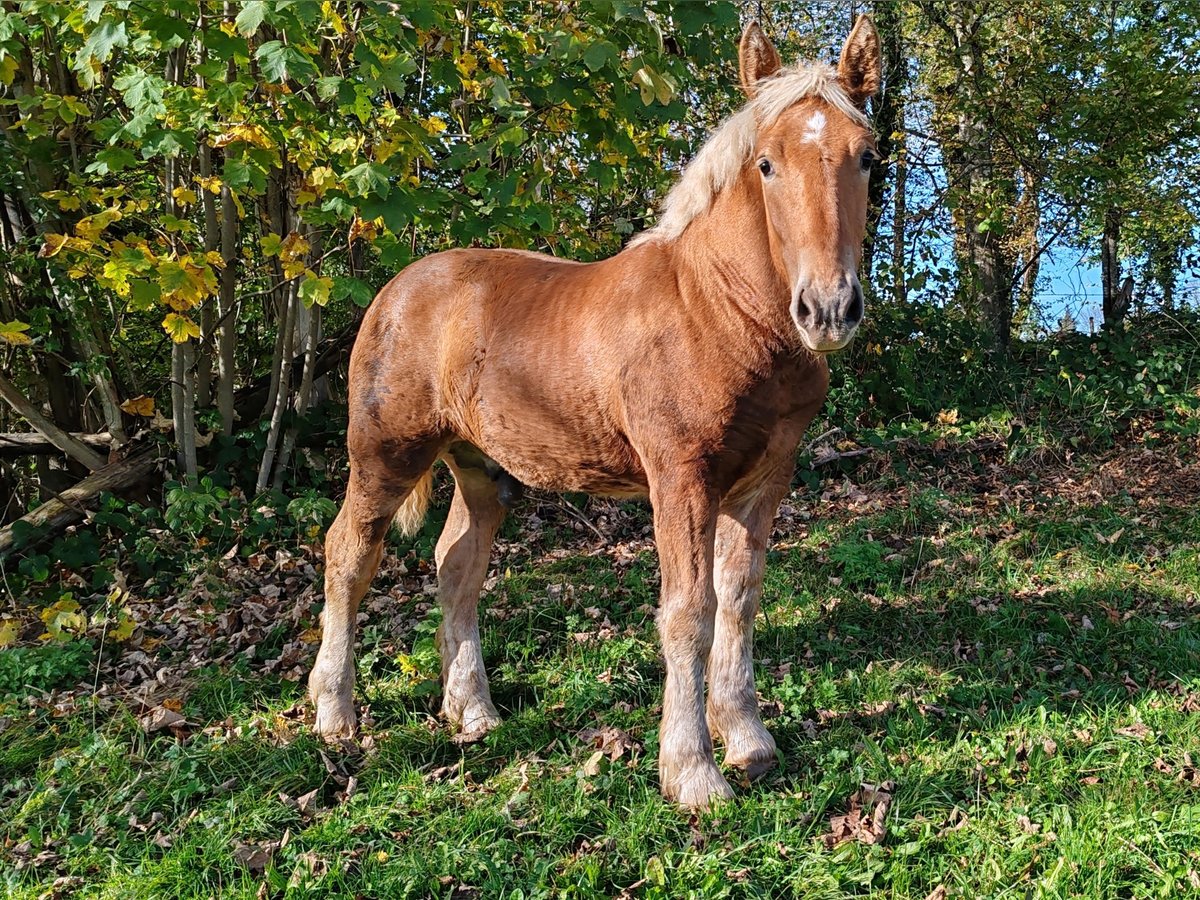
x,y
1021,657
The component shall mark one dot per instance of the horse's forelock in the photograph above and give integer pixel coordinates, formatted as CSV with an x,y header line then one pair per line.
x,y
728,149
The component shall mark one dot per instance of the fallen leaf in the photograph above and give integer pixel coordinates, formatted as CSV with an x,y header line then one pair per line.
x,y
591,768
159,718
865,821
612,742
255,857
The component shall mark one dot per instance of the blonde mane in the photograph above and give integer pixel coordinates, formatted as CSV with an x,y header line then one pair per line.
x,y
722,157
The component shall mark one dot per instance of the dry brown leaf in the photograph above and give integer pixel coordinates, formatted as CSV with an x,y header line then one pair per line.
x,y
159,718
1137,730
255,857
865,821
612,742
591,768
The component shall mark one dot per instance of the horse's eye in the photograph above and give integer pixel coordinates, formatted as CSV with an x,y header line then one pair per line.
x,y
764,166
868,159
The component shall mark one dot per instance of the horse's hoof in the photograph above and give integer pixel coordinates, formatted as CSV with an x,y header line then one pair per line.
x,y
753,751
474,718
696,789
336,721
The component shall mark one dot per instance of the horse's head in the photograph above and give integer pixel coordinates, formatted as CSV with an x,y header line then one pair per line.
x,y
814,160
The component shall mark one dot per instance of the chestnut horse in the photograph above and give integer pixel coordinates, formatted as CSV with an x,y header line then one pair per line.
x,y
686,367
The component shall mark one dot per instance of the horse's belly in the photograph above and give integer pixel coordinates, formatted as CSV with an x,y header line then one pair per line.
x,y
561,456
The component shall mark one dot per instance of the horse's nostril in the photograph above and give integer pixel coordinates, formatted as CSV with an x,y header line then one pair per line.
x,y
805,311
854,312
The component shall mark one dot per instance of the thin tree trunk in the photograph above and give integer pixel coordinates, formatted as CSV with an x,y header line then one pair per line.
x,y
183,377
900,225
227,332
1115,302
1029,223
212,241
303,396
282,388
888,120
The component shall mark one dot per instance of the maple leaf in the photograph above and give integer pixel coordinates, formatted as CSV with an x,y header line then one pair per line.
x,y
14,333
139,406
180,328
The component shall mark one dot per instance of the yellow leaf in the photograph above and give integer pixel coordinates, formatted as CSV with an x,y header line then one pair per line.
x,y
139,406
246,133
14,333
124,628
214,258
947,417
9,629
335,20
184,196
321,178
293,247
294,267
90,228
212,183
53,244
315,288
303,197
229,28
180,328
62,620
8,69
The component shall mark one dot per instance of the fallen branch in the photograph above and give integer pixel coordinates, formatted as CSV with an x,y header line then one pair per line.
x,y
71,505
30,443
62,440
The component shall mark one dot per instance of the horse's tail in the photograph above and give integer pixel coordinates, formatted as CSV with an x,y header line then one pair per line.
x,y
411,514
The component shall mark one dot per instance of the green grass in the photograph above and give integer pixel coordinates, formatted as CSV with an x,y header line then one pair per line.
x,y
1030,682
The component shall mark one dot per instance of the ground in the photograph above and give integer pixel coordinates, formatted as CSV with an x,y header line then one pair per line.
x,y
982,668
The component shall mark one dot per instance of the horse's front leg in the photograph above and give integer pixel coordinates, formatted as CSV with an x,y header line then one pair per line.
x,y
685,512
741,549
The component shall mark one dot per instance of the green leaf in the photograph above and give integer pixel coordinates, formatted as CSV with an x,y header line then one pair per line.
x,y
100,44
143,294
315,289
598,54
280,62
143,92
368,179
250,17
355,290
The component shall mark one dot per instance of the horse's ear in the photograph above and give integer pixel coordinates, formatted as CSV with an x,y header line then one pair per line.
x,y
860,67
757,58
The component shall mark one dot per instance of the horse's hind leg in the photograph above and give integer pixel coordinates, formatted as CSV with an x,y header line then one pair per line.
x,y
353,549
463,551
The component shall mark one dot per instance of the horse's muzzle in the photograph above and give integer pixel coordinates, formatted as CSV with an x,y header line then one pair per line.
x,y
827,320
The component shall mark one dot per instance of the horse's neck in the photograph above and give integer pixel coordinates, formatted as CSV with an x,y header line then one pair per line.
x,y
725,261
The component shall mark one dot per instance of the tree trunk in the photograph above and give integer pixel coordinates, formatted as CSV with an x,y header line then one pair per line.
x,y
889,121
1029,223
227,332
900,225
1116,300
212,241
